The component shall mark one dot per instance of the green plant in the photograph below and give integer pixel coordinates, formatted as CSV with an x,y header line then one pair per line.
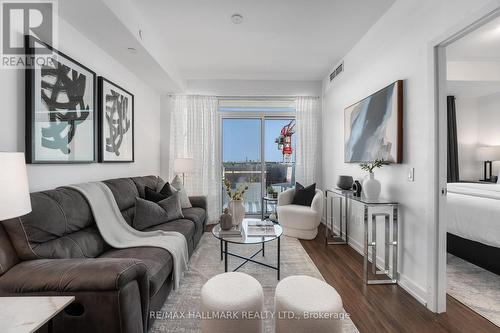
x,y
235,195
270,190
369,167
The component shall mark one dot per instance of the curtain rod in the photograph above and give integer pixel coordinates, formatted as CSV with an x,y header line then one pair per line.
x,y
259,97
254,96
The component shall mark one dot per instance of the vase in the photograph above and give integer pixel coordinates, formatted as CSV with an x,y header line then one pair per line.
x,y
226,220
371,188
345,182
237,210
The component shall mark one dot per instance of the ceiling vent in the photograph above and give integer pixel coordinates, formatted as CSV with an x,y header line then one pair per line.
x,y
337,71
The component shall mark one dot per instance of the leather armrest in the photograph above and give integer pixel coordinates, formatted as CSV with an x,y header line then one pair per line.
x,y
286,197
69,275
199,201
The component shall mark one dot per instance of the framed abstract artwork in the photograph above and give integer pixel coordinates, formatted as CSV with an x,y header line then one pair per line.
x,y
373,127
61,120
116,122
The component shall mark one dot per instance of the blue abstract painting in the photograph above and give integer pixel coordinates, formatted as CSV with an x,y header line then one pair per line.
x,y
373,128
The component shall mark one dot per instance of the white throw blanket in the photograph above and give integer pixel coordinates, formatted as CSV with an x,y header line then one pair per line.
x,y
117,233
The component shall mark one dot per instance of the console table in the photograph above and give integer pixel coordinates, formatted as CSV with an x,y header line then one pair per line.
x,y
346,197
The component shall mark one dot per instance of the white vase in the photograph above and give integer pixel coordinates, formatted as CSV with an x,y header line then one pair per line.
x,y
371,188
237,209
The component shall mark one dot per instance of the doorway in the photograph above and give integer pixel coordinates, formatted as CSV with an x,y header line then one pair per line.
x,y
468,66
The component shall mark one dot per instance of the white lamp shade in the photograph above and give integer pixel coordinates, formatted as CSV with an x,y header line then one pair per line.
x,y
489,153
183,165
14,191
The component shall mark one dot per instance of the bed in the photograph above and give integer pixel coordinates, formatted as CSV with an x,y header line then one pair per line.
x,y
473,223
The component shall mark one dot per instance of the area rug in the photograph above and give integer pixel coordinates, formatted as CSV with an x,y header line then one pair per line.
x,y
475,287
175,315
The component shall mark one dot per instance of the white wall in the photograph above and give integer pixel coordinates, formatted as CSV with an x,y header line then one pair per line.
x,y
489,124
253,88
147,116
398,46
468,130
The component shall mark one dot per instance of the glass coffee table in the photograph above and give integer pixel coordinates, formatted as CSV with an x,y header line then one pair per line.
x,y
249,240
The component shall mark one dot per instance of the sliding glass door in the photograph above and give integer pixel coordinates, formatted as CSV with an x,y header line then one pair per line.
x,y
258,152
241,159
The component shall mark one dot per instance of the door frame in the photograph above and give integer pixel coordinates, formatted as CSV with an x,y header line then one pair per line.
x,y
262,116
438,90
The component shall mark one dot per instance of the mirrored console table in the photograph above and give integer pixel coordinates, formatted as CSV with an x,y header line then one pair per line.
x,y
337,231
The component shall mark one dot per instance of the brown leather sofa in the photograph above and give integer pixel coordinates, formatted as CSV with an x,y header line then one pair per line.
x,y
57,250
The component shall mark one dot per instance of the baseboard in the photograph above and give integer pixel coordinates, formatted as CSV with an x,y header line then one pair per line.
x,y
404,282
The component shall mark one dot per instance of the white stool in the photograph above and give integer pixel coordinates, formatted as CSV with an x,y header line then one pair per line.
x,y
236,294
315,302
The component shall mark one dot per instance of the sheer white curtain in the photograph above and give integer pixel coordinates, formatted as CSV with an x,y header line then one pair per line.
x,y
309,138
194,133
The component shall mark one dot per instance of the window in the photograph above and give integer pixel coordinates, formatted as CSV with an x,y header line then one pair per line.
x,y
252,150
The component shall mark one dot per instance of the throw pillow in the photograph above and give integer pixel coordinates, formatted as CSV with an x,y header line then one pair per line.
x,y
177,184
152,195
156,196
172,206
304,195
160,184
148,214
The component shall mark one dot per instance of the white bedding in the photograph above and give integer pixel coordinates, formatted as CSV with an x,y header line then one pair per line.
x,y
474,212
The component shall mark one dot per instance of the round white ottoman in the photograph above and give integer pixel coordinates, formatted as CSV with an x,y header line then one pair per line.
x,y
305,304
232,302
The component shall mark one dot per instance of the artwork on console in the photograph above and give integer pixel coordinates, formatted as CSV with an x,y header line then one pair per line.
x,y
60,108
116,123
373,127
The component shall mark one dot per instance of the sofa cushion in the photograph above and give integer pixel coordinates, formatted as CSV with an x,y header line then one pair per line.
x,y
142,182
124,190
148,214
60,225
8,256
195,214
158,261
185,227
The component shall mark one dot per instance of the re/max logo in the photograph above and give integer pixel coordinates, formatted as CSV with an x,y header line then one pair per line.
x,y
33,18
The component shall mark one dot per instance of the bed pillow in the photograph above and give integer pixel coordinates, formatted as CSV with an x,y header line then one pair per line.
x,y
172,206
304,195
177,185
148,214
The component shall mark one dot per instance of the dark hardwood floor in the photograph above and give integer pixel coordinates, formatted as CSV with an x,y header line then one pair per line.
x,y
385,308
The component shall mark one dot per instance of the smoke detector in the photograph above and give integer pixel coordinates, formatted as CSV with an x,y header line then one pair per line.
x,y
237,18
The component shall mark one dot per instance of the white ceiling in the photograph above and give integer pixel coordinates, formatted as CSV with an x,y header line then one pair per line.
x,y
482,44
278,39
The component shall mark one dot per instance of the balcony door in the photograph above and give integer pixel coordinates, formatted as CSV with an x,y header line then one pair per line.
x,y
253,155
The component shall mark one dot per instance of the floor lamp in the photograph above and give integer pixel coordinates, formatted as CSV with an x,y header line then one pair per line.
x,y
14,196
183,165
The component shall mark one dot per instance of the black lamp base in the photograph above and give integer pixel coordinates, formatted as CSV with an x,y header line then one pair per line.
x,y
487,170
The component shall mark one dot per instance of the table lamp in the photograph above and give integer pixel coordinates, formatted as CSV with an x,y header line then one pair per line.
x,y
14,196
487,155
183,165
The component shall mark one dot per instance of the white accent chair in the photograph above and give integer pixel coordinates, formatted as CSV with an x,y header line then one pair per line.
x,y
300,221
